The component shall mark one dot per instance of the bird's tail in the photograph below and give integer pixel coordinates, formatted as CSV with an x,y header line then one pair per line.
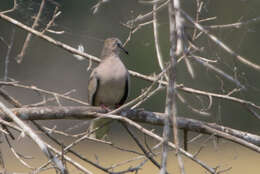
x,y
100,127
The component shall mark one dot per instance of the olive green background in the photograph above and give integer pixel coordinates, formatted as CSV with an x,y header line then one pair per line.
x,y
52,68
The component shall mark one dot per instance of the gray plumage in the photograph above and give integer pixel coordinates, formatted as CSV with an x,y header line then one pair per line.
x,y
109,82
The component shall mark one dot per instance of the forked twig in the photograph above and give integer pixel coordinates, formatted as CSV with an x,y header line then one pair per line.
x,y
29,35
34,137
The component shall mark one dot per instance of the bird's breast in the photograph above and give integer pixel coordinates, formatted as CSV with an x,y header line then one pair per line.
x,y
112,84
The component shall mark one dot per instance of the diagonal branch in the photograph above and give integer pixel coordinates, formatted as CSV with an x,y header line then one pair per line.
x,y
35,138
156,39
133,73
29,35
69,48
219,42
147,154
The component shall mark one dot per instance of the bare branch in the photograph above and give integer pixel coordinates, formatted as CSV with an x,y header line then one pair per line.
x,y
147,154
70,160
71,151
158,138
234,25
220,43
34,88
29,35
12,9
137,115
69,48
141,18
219,71
17,155
96,7
227,97
9,48
130,117
10,99
142,97
171,105
34,137
86,112
156,39
179,27
153,79
56,14
170,89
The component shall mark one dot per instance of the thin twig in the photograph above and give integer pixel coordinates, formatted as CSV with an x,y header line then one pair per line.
x,y
140,18
179,28
13,102
219,71
9,48
34,137
17,155
147,154
220,43
15,84
216,95
150,94
96,7
10,99
70,49
12,9
133,73
71,151
143,96
133,30
56,14
46,100
176,41
70,160
160,139
156,39
234,25
20,56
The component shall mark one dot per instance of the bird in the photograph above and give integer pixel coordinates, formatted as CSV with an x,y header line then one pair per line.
x,y
108,84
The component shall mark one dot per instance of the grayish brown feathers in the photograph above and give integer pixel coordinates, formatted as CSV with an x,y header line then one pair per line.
x,y
109,81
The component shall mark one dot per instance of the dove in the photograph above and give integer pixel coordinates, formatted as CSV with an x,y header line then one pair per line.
x,y
108,85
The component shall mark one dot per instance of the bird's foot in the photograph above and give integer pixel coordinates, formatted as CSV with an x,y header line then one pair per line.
x,y
105,108
117,106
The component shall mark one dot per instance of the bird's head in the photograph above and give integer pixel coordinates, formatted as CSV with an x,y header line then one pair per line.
x,y
113,45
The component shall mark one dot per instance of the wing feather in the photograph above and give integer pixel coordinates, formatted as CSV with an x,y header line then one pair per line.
x,y
93,86
126,91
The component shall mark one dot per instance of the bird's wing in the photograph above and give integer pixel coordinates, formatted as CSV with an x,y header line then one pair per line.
x,y
101,124
93,86
126,91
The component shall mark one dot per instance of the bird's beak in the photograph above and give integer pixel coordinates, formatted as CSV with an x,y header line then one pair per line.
x,y
121,47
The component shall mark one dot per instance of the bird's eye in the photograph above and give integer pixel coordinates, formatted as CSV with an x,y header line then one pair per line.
x,y
121,47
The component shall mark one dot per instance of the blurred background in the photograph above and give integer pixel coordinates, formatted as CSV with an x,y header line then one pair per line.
x,y
54,69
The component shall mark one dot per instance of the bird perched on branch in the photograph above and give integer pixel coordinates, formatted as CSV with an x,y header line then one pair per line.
x,y
108,85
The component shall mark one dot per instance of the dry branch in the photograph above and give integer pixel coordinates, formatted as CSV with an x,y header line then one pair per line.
x,y
34,137
176,42
45,113
156,40
29,35
69,48
143,116
220,43
133,73
141,18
